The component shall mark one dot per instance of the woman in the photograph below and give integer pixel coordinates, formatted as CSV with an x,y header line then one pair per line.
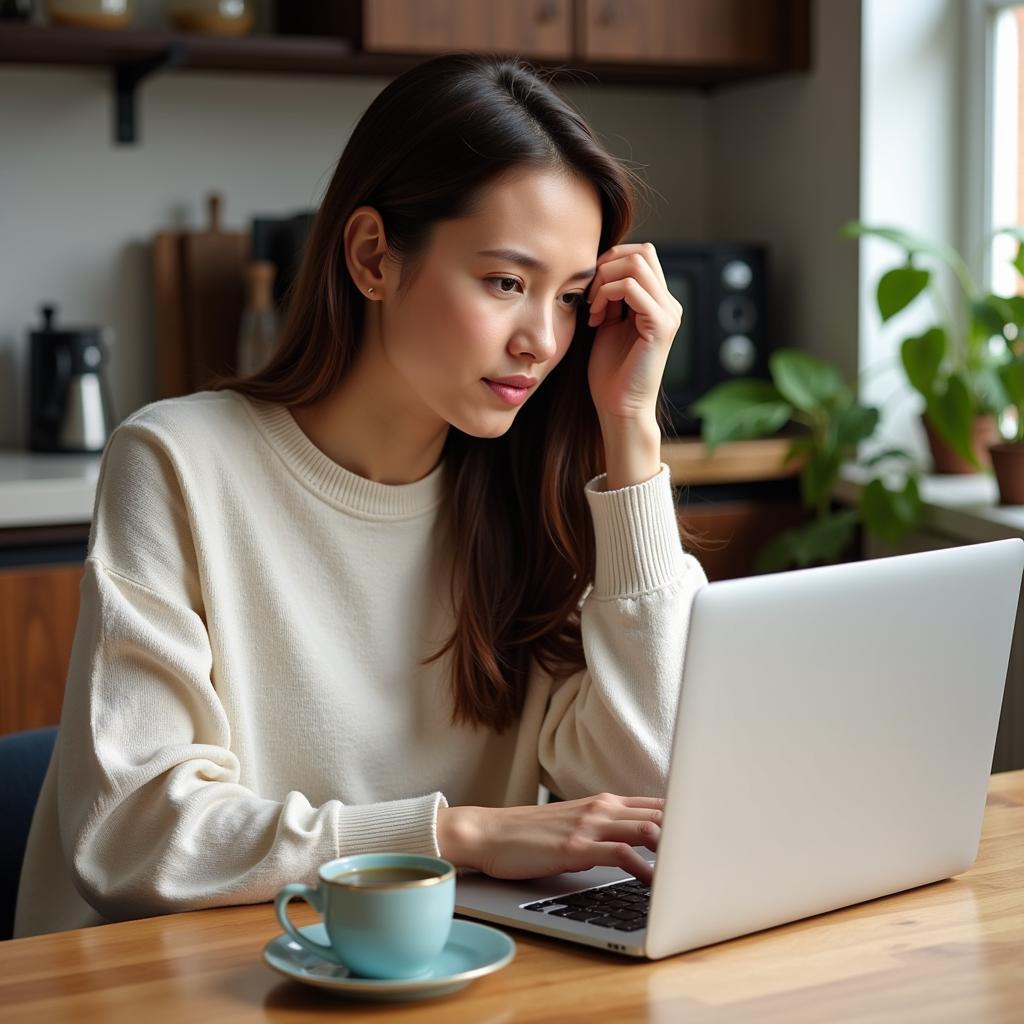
x,y
371,598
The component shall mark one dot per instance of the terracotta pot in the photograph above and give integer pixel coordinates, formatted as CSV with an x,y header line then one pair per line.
x,y
1008,462
984,434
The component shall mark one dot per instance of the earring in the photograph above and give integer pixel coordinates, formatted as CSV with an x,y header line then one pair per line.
x,y
370,289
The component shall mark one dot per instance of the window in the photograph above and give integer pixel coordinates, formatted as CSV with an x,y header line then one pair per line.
x,y
995,140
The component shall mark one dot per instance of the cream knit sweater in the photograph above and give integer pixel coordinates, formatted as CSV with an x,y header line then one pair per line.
x,y
244,701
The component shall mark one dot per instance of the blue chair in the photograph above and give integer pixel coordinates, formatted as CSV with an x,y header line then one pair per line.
x,y
24,758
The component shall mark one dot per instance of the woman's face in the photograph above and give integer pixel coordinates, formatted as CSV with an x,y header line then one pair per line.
x,y
474,313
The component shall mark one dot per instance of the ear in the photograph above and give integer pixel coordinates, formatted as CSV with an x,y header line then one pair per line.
x,y
365,248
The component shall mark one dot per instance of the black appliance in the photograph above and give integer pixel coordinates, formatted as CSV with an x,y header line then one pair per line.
x,y
725,332
69,401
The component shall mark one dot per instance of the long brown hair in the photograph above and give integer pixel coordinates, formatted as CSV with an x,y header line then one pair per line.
x,y
514,512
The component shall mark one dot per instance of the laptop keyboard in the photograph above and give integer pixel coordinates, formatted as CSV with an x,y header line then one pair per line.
x,y
621,906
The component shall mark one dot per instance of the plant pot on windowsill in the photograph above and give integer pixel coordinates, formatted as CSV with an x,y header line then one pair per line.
x,y
1008,463
984,434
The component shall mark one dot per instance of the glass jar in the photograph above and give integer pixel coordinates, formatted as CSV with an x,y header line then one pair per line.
x,y
91,13
212,17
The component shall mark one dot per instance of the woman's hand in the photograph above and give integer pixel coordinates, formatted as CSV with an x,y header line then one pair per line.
x,y
547,839
636,318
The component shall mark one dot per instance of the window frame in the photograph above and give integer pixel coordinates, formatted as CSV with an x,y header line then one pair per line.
x,y
979,137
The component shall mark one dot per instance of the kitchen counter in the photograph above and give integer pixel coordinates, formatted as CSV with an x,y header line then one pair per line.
x,y
42,489
46,489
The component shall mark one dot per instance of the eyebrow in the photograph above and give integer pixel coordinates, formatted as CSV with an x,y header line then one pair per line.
x,y
526,260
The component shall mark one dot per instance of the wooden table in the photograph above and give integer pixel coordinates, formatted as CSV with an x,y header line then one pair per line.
x,y
950,951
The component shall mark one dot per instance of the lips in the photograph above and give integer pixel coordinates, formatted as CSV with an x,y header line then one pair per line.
x,y
512,382
506,392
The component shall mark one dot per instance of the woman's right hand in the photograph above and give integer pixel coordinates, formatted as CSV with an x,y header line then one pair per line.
x,y
547,839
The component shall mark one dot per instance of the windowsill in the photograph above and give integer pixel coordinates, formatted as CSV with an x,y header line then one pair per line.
x,y
965,507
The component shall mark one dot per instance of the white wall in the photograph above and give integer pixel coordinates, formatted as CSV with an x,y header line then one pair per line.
x,y
785,165
911,177
775,160
77,212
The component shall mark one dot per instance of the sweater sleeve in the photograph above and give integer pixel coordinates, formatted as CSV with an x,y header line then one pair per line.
x,y
609,727
152,815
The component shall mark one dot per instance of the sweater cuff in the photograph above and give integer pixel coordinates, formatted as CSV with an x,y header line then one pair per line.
x,y
637,535
405,826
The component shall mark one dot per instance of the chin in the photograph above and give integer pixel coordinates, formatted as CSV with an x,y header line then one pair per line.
x,y
495,427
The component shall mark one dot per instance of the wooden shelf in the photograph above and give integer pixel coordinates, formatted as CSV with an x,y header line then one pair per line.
x,y
731,462
134,54
328,55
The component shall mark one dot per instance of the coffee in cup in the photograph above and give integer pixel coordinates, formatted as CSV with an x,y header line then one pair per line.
x,y
387,915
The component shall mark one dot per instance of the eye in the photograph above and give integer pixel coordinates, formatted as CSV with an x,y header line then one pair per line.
x,y
495,281
574,305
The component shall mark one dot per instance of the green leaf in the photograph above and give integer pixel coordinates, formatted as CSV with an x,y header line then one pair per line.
x,y
855,423
1012,376
990,314
889,453
818,476
823,540
921,357
1016,303
990,390
1018,260
951,413
912,244
806,382
740,410
899,287
891,514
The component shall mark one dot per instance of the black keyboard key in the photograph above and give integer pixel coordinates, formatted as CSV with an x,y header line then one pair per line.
x,y
605,922
629,926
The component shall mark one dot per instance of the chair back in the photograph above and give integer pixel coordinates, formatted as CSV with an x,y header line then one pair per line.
x,y
24,758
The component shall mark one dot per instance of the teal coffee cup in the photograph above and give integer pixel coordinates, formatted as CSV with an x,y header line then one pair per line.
x,y
387,915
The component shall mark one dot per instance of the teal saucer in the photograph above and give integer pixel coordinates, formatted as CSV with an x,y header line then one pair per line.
x,y
472,951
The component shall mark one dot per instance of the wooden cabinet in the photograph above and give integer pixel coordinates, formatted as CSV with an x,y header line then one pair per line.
x,y
727,536
38,615
532,28
720,36
727,33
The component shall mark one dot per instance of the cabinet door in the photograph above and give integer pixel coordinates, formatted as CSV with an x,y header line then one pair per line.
x,y
533,28
755,33
38,615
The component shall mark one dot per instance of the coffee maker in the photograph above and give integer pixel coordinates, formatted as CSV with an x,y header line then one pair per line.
x,y
69,400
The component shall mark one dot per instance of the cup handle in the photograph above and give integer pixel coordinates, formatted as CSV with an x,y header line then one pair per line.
x,y
314,897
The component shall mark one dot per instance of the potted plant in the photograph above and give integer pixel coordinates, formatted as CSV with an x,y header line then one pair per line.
x,y
954,363
809,392
1008,456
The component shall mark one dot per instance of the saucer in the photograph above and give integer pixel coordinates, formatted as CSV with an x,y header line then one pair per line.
x,y
472,951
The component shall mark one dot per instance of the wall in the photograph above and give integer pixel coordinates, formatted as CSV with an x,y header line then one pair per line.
x,y
77,212
911,177
775,160
785,163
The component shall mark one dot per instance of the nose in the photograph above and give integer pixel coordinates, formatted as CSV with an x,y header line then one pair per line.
x,y
536,336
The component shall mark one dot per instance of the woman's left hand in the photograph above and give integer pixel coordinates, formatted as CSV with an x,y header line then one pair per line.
x,y
636,317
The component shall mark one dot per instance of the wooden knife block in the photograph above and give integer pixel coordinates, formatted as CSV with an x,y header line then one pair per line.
x,y
199,295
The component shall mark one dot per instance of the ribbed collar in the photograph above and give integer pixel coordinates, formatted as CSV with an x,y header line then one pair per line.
x,y
335,483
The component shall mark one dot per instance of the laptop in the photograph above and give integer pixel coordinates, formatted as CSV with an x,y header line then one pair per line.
x,y
833,743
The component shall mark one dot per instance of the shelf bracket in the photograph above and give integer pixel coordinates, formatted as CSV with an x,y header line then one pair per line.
x,y
128,77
